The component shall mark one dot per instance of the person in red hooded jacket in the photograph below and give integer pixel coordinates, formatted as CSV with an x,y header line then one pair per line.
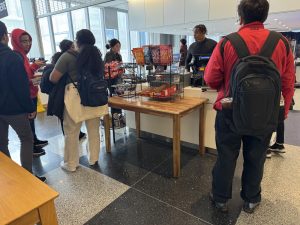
x,y
21,42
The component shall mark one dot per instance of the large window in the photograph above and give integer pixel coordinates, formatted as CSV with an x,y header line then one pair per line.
x,y
134,39
60,28
46,40
96,26
144,40
57,5
123,36
78,20
15,16
111,33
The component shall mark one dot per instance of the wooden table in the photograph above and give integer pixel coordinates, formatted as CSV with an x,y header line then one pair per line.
x,y
175,110
24,199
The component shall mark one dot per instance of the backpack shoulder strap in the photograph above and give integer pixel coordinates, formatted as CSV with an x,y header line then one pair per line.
x,y
270,44
238,44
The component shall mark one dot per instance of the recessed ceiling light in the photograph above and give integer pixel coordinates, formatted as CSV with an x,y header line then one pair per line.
x,y
283,25
275,19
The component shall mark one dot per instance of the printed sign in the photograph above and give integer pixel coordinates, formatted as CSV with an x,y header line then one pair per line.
x,y
3,9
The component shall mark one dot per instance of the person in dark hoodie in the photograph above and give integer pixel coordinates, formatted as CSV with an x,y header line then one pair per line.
x,y
16,105
21,42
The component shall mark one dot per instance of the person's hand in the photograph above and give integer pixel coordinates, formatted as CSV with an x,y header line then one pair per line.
x,y
40,63
31,115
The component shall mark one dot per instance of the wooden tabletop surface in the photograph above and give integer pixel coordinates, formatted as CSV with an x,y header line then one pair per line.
x,y
178,106
20,192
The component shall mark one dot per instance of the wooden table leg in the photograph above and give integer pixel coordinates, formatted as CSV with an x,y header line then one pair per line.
x,y
138,124
201,130
107,133
47,214
176,145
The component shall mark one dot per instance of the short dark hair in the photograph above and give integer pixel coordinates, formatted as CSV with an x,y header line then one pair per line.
x,y
201,28
55,57
112,43
183,41
65,45
3,30
253,10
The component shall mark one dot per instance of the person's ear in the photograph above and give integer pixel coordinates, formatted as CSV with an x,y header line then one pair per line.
x,y
241,21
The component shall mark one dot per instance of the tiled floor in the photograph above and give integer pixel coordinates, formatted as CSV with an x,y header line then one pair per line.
x,y
133,184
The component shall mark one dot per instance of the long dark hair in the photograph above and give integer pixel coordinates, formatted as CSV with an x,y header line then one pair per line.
x,y
89,58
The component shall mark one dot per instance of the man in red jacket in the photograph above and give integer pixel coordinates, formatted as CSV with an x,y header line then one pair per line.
x,y
21,42
252,13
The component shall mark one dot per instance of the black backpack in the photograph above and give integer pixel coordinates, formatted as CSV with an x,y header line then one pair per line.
x,y
255,87
46,85
92,89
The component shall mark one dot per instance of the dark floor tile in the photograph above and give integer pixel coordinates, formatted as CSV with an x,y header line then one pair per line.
x,y
46,163
134,207
190,191
292,128
120,171
142,153
130,162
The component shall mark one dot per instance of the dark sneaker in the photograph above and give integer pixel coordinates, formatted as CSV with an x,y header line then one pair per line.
x,y
38,152
43,179
222,207
40,143
95,164
82,136
269,154
278,148
250,207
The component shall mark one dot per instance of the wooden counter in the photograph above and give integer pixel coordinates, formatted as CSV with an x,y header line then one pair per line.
x,y
174,109
24,199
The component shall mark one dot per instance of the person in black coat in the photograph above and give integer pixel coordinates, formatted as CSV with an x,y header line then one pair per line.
x,y
16,106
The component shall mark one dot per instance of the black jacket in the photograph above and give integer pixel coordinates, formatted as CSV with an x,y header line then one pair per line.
x,y
56,94
14,84
204,48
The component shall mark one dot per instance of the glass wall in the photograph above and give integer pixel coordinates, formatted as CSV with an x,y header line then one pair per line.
x,y
15,16
78,20
144,38
111,33
45,34
96,26
60,28
65,25
124,35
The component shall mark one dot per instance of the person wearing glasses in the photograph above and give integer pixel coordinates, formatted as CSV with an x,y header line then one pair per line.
x,y
21,42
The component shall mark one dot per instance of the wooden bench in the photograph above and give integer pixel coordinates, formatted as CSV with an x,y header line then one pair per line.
x,y
24,199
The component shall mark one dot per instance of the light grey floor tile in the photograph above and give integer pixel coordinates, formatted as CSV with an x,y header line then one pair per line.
x,y
83,194
280,191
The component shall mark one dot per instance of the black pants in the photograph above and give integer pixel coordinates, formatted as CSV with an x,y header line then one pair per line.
x,y
115,81
228,147
34,100
280,127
